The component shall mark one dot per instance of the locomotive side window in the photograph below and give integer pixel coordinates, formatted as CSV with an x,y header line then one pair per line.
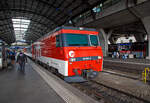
x,y
94,40
57,41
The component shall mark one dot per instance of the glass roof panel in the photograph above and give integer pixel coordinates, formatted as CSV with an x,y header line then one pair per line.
x,y
20,27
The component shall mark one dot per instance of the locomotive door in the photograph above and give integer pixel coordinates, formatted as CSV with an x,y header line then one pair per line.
x,y
39,51
35,53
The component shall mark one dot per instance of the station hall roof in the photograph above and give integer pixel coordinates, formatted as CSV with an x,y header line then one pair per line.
x,y
31,19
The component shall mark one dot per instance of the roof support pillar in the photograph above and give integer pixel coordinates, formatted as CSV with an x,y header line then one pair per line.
x,y
104,37
73,23
146,22
139,37
112,40
93,15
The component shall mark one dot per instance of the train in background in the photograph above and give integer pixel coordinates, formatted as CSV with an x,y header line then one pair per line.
x,y
133,50
74,52
3,55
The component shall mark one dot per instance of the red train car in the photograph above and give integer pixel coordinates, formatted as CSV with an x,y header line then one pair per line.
x,y
72,51
27,51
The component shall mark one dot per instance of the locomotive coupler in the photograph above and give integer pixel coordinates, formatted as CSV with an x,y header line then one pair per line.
x,y
89,74
75,78
76,71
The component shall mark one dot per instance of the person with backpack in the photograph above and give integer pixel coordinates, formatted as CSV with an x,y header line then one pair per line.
x,y
22,59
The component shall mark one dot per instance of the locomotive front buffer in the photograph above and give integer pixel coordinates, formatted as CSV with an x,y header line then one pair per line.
x,y
84,77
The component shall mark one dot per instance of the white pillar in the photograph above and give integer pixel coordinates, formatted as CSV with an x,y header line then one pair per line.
x,y
139,37
104,40
146,22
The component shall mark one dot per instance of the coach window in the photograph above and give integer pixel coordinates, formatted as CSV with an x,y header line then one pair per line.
x,y
57,41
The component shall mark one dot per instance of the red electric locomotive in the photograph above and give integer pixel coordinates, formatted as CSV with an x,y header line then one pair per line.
x,y
72,51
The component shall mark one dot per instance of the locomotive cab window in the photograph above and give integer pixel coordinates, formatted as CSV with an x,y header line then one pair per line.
x,y
75,40
57,41
94,40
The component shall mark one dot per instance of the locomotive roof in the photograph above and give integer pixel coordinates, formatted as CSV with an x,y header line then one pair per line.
x,y
74,28
67,27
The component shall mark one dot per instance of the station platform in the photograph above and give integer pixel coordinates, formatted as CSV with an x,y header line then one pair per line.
x,y
37,85
136,66
129,60
134,87
28,87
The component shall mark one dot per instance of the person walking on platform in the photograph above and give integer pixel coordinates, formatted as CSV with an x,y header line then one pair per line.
x,y
22,59
12,57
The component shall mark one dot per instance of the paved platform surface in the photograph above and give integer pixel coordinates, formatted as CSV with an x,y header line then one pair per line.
x,y
129,61
16,87
69,93
134,87
136,66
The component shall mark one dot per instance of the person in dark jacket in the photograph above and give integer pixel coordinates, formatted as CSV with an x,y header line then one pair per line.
x,y
12,57
22,59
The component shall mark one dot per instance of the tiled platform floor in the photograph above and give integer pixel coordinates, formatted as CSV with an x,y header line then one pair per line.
x,y
16,87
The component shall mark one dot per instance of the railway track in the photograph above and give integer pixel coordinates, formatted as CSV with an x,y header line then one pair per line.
x,y
104,93
125,67
121,75
107,94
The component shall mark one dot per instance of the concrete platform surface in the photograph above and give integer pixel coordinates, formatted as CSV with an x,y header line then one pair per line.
x,y
134,87
136,66
69,93
129,61
16,87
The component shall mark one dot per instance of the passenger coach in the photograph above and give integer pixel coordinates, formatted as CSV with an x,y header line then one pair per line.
x,y
72,51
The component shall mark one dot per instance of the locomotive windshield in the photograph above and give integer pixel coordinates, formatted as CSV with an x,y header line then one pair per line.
x,y
79,40
76,40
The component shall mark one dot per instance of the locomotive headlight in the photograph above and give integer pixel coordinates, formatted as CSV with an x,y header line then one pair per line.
x,y
99,57
72,59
